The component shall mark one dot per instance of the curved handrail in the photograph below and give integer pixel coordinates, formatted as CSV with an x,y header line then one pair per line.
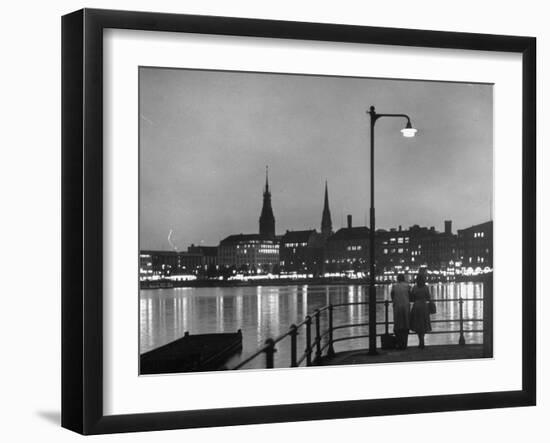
x,y
315,347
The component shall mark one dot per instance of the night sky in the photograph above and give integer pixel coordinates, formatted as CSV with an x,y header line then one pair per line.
x,y
206,137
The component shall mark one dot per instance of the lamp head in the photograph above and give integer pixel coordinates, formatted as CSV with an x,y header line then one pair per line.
x,y
408,131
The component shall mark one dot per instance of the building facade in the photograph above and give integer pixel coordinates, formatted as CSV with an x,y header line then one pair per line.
x,y
416,246
393,249
347,249
209,254
301,252
145,266
163,264
249,253
475,246
408,250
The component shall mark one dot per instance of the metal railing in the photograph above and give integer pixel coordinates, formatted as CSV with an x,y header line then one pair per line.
x,y
314,346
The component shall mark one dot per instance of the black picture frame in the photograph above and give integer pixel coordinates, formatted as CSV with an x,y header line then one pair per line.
x,y
82,218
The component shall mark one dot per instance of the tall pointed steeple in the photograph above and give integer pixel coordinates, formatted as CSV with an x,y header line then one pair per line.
x,y
326,221
267,220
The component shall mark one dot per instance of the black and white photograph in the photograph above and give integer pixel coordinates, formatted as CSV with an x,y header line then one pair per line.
x,y
288,221
291,220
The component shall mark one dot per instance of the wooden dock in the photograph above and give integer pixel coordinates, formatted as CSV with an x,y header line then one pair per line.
x,y
203,352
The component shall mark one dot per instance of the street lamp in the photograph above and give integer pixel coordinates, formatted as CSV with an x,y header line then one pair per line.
x,y
408,131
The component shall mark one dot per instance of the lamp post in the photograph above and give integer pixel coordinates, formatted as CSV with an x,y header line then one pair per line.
x,y
408,131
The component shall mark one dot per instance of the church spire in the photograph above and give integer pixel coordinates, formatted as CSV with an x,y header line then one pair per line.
x,y
326,221
267,220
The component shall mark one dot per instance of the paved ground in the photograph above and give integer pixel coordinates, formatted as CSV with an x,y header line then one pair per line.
x,y
436,352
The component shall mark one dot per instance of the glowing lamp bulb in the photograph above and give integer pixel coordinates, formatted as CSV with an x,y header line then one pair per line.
x,y
408,131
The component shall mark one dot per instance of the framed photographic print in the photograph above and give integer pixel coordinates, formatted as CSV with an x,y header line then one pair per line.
x,y
269,221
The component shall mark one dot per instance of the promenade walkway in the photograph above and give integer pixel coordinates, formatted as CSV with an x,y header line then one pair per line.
x,y
413,353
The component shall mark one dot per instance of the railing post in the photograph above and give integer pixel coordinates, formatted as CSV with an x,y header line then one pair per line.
x,y
387,320
293,346
317,336
488,316
269,352
461,340
386,339
330,351
309,349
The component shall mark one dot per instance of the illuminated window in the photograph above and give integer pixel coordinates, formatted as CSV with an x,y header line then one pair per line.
x,y
400,240
400,250
385,251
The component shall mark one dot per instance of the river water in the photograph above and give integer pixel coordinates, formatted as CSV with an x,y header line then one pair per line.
x,y
267,312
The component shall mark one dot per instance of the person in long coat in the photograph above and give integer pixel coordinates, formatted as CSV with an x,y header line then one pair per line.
x,y
401,311
420,314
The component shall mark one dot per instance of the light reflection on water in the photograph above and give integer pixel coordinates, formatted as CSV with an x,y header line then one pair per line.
x,y
267,312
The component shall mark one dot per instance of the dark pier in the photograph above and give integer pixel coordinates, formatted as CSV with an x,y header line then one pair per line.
x,y
191,353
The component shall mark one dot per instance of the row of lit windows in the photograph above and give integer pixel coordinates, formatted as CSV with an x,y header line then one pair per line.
x,y
479,234
256,263
393,250
268,245
282,263
269,251
252,251
400,240
354,248
479,259
295,245
346,260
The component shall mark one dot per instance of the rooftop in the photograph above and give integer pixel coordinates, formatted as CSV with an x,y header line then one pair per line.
x,y
298,236
359,232
237,238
